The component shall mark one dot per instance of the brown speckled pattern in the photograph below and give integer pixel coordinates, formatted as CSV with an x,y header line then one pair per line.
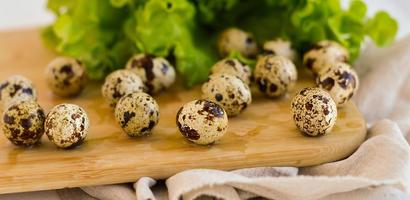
x,y
233,39
228,91
23,123
341,81
66,76
314,111
67,125
202,122
323,54
120,83
233,67
137,114
16,88
279,47
156,72
275,75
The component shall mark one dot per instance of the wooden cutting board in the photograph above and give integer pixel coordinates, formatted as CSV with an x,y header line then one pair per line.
x,y
264,135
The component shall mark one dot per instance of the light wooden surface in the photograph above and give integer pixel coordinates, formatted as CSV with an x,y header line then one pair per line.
x,y
264,135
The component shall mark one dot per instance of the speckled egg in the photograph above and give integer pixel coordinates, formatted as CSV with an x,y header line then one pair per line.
x,y
66,76
202,121
120,83
279,47
23,123
156,72
314,111
137,114
341,81
228,91
67,125
275,75
16,88
234,67
323,54
234,39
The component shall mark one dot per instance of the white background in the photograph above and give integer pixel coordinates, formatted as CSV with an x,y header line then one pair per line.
x,y
17,14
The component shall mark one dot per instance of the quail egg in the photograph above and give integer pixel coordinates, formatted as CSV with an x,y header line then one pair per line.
x,y
202,121
156,72
16,88
228,91
120,83
314,111
67,125
279,47
137,114
341,81
23,123
275,75
66,76
323,54
233,67
234,39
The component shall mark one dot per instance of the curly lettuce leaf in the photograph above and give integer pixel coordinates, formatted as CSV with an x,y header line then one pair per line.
x,y
88,30
305,22
210,10
105,33
247,61
382,28
168,27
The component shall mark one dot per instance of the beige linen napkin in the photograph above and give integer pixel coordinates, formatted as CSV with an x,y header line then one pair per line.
x,y
379,169
381,162
385,90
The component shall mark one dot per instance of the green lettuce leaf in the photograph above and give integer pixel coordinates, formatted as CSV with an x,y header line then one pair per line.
x,y
382,28
105,33
168,27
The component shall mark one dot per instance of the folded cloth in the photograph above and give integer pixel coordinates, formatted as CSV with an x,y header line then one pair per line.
x,y
385,90
381,163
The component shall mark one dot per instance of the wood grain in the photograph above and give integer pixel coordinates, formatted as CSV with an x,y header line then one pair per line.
x,y
264,135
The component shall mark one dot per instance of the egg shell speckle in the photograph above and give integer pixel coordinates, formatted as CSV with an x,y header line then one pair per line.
x,y
137,114
66,76
323,54
16,88
233,67
23,123
279,47
120,83
156,72
275,75
341,81
234,39
202,122
228,91
67,125
314,111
